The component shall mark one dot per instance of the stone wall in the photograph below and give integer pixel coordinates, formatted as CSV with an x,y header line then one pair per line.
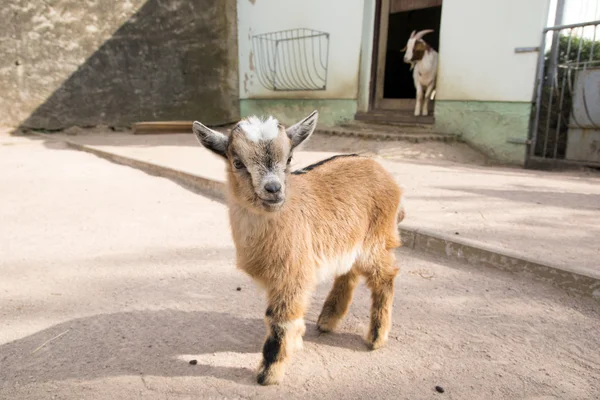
x,y
117,62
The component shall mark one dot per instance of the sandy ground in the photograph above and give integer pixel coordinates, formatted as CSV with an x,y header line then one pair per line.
x,y
528,214
112,280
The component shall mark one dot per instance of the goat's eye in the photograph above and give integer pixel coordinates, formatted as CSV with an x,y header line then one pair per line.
x,y
238,164
289,161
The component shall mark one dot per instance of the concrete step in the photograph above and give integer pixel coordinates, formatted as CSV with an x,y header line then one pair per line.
x,y
415,133
387,116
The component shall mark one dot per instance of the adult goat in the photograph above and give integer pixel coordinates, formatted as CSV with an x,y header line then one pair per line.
x,y
424,63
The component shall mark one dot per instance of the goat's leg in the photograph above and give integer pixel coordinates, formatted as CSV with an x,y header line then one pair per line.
x,y
381,283
285,328
426,100
338,301
419,88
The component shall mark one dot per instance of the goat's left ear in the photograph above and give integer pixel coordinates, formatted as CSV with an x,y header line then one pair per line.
x,y
212,140
301,131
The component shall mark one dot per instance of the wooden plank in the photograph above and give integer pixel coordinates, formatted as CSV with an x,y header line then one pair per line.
x,y
381,52
161,127
374,55
409,5
394,116
397,104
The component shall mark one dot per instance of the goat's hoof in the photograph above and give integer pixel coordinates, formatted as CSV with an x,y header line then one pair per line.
x,y
326,325
417,113
265,380
425,113
378,343
271,375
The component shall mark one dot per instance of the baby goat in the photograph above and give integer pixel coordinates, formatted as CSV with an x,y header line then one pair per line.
x,y
292,229
424,60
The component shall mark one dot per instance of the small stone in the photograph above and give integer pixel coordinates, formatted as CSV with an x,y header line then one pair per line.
x,y
239,289
456,233
193,362
439,389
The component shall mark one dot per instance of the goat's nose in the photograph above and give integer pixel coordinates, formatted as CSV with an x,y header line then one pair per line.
x,y
273,187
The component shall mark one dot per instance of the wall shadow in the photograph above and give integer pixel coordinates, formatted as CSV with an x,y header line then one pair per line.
x,y
169,61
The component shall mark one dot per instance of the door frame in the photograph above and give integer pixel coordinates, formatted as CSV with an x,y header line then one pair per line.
x,y
380,37
379,102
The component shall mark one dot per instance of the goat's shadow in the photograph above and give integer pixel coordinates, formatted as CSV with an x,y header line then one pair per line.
x,y
155,343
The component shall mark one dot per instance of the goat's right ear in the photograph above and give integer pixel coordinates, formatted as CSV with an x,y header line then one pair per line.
x,y
212,140
299,132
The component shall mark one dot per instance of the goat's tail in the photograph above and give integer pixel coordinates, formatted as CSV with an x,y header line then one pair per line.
x,y
401,211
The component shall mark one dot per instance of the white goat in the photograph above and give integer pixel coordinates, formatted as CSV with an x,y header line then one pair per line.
x,y
424,63
291,229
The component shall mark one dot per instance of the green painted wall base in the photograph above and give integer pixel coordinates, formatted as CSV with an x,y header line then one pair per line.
x,y
289,111
487,125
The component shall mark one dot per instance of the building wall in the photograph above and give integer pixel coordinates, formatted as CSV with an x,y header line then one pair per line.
x,y
341,19
114,62
485,89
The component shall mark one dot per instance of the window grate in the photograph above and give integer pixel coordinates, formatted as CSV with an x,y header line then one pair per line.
x,y
294,59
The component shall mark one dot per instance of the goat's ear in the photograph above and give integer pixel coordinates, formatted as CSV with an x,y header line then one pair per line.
x,y
299,132
212,140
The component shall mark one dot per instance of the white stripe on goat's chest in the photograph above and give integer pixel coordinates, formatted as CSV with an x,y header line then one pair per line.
x,y
328,267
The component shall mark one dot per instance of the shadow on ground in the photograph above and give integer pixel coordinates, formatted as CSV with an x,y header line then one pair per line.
x,y
156,343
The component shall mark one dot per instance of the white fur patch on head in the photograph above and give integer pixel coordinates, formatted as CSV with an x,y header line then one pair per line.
x,y
260,130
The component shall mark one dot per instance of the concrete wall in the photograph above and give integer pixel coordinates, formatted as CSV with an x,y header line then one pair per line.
x,y
114,62
488,125
484,88
341,19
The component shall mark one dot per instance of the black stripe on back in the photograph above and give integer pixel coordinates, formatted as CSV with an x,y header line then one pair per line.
x,y
315,165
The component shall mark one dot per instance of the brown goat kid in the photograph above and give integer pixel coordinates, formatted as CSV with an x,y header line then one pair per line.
x,y
291,230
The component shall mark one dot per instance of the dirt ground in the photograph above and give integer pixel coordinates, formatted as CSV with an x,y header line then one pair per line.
x,y
113,280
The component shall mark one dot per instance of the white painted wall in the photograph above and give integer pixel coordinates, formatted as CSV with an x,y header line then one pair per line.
x,y
477,49
342,19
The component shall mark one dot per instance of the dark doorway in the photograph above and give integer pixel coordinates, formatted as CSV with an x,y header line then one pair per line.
x,y
394,89
398,80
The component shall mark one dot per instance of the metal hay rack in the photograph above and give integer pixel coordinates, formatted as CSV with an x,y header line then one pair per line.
x,y
294,59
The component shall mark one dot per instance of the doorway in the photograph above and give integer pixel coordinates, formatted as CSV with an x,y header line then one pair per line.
x,y
394,89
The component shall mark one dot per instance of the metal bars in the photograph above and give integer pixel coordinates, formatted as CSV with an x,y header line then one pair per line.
x,y
294,59
575,50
